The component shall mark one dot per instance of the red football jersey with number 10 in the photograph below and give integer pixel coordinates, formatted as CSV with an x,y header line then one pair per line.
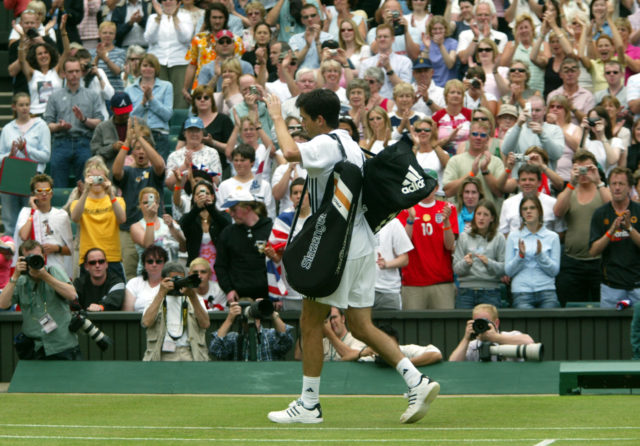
x,y
429,262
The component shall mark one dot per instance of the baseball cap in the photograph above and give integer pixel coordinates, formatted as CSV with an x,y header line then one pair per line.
x,y
224,33
508,109
422,62
193,122
238,196
121,103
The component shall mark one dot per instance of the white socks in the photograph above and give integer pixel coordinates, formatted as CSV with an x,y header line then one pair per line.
x,y
310,391
409,372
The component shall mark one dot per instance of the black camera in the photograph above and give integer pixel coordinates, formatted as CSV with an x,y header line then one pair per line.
x,y
261,309
35,261
79,320
480,325
32,33
476,84
192,281
593,121
398,28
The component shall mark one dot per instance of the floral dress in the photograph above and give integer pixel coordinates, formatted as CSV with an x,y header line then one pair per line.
x,y
202,51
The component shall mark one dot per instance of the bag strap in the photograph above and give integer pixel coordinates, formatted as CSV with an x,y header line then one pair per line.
x,y
340,146
368,152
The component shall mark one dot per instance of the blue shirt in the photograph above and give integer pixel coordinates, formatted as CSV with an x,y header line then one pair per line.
x,y
272,345
156,112
208,71
441,74
38,138
533,272
311,59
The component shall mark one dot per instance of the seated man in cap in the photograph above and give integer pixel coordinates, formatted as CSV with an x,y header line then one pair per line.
x,y
110,135
430,97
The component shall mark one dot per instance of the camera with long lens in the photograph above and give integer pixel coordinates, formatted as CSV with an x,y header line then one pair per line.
x,y
34,261
192,281
527,352
261,309
80,320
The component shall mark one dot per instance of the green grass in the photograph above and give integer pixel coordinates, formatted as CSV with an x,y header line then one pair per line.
x,y
57,419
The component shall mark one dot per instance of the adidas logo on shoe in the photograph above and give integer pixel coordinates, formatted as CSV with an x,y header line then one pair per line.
x,y
412,182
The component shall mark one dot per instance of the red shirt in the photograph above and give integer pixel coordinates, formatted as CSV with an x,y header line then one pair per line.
x,y
430,262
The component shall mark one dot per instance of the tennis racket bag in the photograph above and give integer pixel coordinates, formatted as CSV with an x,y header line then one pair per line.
x,y
393,181
314,259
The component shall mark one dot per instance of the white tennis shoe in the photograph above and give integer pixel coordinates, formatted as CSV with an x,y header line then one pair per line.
x,y
297,413
420,397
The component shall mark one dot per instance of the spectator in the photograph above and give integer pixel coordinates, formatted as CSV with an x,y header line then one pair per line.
x,y
633,152
24,137
618,129
110,135
427,281
486,55
131,70
240,263
208,291
151,230
521,48
615,236
580,276
7,251
72,113
147,171
203,224
99,289
429,154
478,260
142,289
194,153
197,14
393,246
331,72
44,295
47,225
358,94
548,55
255,137
109,57
74,12
518,91
403,118
152,100
483,114
230,96
284,84
529,182
559,113
631,52
306,45
419,355
465,17
259,56
483,12
338,343
469,195
532,259
580,98
288,15
536,132
98,212
377,130
613,73
255,13
95,79
469,347
453,120
374,76
282,180
351,40
271,344
396,66
430,97
211,72
169,336
475,95
476,159
169,32
599,139
390,15
441,50
342,11
577,24
131,18
507,117
253,104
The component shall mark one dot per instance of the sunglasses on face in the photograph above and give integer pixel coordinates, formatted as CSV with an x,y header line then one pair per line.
x,y
224,41
611,72
310,16
43,191
97,262
476,134
517,70
371,81
156,261
480,118
485,50
425,130
204,98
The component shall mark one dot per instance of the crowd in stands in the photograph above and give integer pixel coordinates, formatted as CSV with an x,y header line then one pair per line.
x,y
526,114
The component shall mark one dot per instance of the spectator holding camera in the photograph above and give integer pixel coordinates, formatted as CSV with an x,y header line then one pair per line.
x,y
580,276
44,294
141,290
469,347
599,139
615,235
252,342
476,95
100,289
208,291
176,320
532,259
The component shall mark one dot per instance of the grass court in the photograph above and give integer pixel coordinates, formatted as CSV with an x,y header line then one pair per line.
x,y
83,419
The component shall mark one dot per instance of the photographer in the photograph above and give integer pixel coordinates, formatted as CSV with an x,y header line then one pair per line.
x,y
469,347
176,320
44,294
269,343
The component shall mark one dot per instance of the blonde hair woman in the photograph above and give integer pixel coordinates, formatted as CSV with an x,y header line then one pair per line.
x,y
377,130
351,41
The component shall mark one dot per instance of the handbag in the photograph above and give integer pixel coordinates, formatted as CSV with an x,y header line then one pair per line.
x,y
15,174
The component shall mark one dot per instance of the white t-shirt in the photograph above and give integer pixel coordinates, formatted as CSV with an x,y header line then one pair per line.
x,y
206,159
409,350
392,241
219,298
319,156
143,293
280,89
597,148
430,160
510,220
472,104
285,201
40,88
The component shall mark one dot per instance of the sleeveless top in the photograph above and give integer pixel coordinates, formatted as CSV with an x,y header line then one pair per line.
x,y
551,79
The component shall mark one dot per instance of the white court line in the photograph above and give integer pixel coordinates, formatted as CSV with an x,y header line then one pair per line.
x,y
288,440
307,428
545,443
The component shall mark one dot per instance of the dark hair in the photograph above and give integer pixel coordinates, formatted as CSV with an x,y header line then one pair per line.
x,y
558,11
215,7
603,114
297,182
321,102
536,202
90,250
492,230
530,168
33,60
476,72
295,10
83,53
206,183
584,155
245,151
40,178
355,134
617,171
155,251
301,134
591,15
28,246
263,23
70,59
